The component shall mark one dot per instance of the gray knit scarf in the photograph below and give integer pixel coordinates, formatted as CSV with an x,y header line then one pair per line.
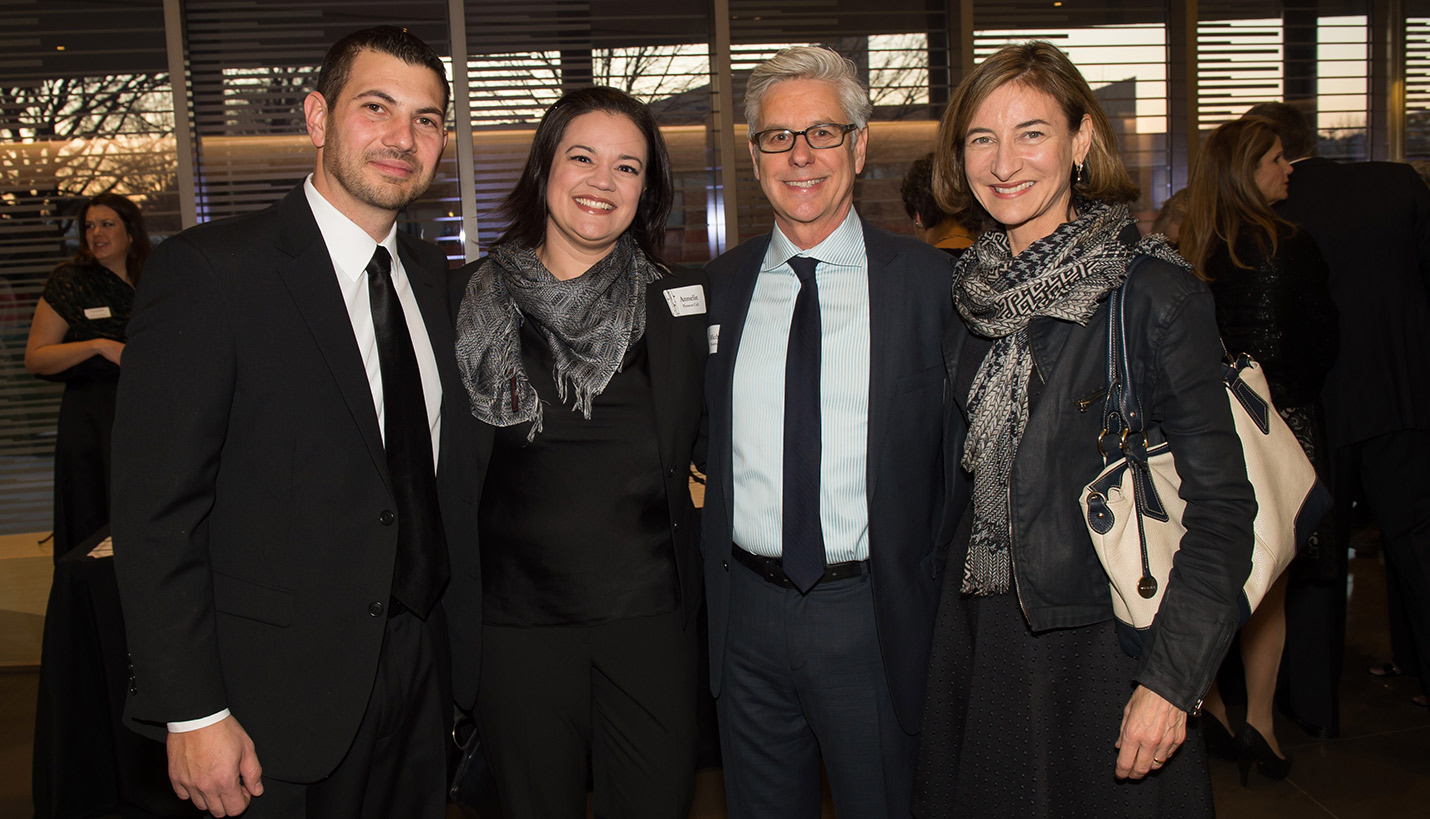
x,y
589,323
1064,275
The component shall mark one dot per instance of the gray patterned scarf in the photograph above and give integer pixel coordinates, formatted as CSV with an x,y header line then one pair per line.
x,y
1063,275
589,323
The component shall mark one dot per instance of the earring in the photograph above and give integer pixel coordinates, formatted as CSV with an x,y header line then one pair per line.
x,y
1078,167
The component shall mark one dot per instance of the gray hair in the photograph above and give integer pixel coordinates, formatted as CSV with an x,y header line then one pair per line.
x,y
809,63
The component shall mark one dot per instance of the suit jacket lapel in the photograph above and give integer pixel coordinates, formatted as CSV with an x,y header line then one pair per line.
x,y
886,293
741,290
659,326
311,280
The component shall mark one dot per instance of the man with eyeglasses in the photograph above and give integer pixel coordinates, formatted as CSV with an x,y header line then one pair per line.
x,y
826,477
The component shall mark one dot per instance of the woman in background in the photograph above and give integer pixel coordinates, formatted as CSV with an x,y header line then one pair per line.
x,y
1032,708
1273,300
931,224
77,336
584,356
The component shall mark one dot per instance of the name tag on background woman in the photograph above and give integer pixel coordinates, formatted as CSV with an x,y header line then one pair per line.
x,y
96,313
686,301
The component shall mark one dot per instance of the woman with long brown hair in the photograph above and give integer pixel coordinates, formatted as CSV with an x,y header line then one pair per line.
x,y
1032,708
77,336
1273,301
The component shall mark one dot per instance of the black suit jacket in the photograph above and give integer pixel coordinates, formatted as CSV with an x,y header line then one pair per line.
x,y
676,347
250,483
910,307
1372,223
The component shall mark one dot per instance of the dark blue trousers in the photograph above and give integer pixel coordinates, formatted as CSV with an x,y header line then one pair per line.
x,y
803,679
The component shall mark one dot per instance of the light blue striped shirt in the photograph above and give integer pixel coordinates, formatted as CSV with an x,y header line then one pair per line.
x,y
757,436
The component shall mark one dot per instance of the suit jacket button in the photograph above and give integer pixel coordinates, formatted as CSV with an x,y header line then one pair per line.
x,y
670,472
725,564
375,608
386,518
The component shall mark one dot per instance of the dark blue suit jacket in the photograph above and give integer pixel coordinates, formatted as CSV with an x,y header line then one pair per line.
x,y
910,308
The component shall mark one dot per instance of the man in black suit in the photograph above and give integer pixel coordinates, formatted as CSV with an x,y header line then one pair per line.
x,y
291,439
826,477
1372,223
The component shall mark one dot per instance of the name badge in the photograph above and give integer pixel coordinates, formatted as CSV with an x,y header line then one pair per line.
x,y
686,301
94,313
712,338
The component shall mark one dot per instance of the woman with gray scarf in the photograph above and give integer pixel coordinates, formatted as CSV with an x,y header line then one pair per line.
x,y
584,357
1032,709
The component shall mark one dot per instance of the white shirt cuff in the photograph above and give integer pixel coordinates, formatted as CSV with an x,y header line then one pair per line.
x,y
195,724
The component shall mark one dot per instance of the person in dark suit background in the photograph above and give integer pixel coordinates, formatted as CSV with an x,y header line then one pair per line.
x,y
291,439
584,359
826,475
1372,223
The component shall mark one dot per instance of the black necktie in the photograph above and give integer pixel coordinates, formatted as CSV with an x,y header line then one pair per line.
x,y
422,568
803,535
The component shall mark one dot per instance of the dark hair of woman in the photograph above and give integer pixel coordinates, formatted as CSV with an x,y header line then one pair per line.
x,y
525,206
133,219
1042,67
1223,203
917,192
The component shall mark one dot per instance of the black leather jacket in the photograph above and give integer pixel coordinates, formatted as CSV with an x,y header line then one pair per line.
x,y
1172,339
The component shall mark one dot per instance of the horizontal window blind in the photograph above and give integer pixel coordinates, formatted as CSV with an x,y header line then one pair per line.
x,y
1292,52
523,57
1417,80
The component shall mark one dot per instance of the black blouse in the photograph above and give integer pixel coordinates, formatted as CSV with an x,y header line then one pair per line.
x,y
1280,312
92,300
575,529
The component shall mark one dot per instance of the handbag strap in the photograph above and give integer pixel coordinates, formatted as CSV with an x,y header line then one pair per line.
x,y
1121,410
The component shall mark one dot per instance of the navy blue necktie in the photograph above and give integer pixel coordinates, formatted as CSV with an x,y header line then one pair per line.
x,y
803,534
422,566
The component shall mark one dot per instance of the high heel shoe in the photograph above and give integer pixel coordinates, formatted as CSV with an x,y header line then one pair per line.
x,y
1251,747
1220,742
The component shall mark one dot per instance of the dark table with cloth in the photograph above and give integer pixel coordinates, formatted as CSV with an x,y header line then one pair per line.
x,y
86,762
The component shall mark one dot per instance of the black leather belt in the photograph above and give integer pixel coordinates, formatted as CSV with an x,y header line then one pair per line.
x,y
771,569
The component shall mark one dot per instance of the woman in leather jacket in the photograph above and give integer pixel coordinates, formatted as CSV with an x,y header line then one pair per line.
x,y
1031,704
1273,300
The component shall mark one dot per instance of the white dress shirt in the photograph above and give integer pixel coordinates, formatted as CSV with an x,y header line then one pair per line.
x,y
757,411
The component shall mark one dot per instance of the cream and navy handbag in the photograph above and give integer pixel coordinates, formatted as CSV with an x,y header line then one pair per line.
x,y
1134,513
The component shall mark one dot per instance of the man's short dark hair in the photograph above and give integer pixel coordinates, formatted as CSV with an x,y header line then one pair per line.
x,y
1298,139
396,42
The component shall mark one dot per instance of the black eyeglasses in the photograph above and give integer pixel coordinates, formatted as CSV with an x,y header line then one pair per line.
x,y
781,140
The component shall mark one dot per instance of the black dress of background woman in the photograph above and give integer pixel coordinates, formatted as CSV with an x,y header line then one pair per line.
x,y
584,357
1273,301
77,336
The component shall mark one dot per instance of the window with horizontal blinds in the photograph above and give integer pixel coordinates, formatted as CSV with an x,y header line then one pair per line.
x,y
901,50
522,57
84,109
1314,55
251,64
1417,79
1122,53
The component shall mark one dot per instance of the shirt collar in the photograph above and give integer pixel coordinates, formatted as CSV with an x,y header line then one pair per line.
x,y
349,246
844,246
